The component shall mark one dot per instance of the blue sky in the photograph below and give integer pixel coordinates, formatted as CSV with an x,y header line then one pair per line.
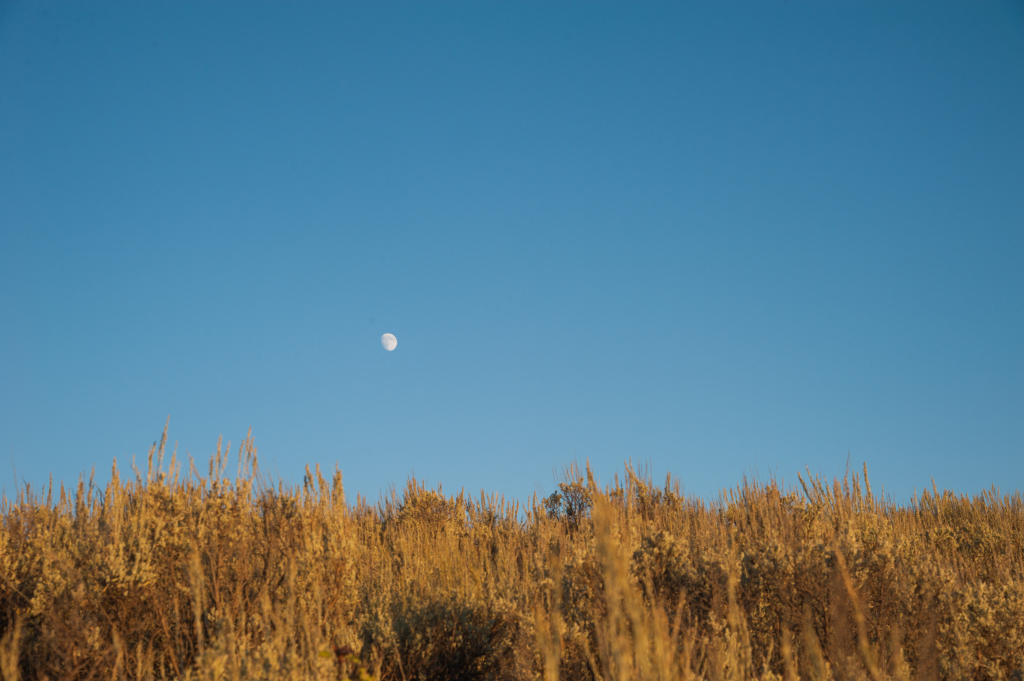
x,y
720,238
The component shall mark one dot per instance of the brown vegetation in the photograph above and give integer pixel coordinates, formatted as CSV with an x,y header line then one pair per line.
x,y
171,576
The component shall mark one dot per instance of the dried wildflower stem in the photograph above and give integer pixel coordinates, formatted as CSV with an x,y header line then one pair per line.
x,y
863,646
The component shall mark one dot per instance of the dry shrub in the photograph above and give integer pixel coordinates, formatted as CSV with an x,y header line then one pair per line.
x,y
221,576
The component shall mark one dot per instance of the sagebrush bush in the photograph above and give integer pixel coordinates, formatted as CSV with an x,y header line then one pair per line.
x,y
233,577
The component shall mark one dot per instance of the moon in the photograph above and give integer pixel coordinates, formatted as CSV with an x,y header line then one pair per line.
x,y
389,342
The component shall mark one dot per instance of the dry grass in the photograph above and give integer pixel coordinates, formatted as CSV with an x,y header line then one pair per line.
x,y
184,576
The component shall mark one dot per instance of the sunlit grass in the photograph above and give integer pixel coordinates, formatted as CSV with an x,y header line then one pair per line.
x,y
228,576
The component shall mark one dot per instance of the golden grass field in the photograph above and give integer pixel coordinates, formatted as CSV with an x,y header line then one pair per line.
x,y
227,576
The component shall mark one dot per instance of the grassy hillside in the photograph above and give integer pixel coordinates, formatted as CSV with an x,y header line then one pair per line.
x,y
172,575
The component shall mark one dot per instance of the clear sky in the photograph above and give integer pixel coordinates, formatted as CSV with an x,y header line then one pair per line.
x,y
721,238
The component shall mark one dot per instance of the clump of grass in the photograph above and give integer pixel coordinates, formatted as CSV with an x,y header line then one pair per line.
x,y
187,576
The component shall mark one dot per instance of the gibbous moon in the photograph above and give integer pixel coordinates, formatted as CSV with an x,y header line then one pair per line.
x,y
389,342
